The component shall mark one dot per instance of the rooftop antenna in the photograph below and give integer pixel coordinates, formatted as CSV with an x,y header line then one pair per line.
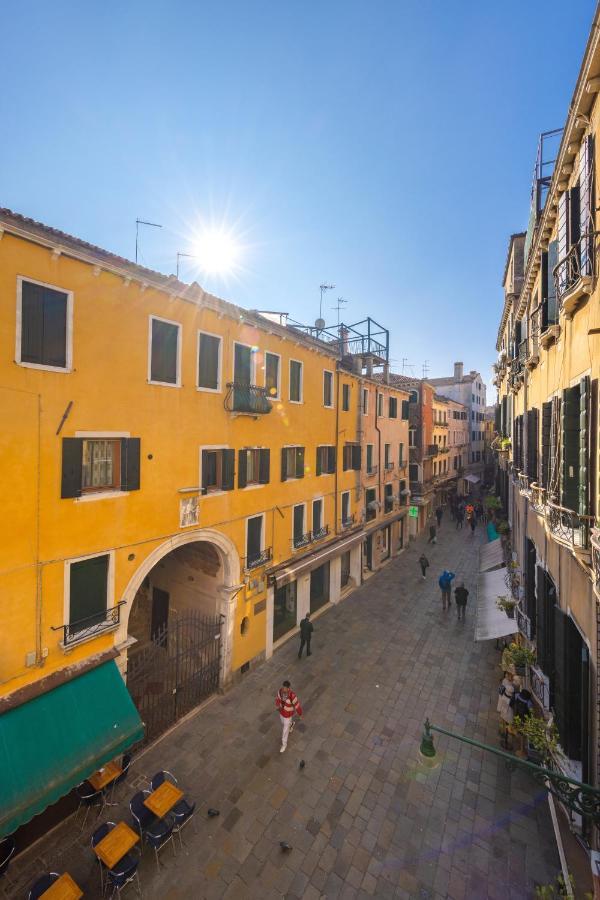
x,y
426,368
183,256
324,287
340,305
404,362
139,222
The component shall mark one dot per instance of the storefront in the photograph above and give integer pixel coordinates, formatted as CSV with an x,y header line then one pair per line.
x,y
285,610
319,587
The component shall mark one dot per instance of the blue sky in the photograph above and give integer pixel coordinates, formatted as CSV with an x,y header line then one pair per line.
x,y
385,145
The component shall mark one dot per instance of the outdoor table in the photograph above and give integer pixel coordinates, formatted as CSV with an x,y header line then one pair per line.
x,y
64,888
163,799
105,775
116,844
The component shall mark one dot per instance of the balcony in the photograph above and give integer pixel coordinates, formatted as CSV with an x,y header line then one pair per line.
x,y
432,450
372,470
348,522
538,498
524,486
255,560
320,533
444,449
516,374
247,398
595,545
569,528
389,466
90,626
523,623
299,541
573,274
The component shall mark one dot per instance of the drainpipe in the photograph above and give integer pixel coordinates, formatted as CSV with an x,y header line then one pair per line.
x,y
337,443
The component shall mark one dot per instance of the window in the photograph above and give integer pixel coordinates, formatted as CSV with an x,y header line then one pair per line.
x,y
388,498
253,467
393,408
272,364
88,593
405,408
299,538
209,362
345,569
317,516
386,456
254,540
44,324
401,456
218,465
351,456
412,436
292,463
379,404
328,389
91,465
371,503
165,339
325,460
403,493
295,381
346,519
365,402
346,397
473,436
370,458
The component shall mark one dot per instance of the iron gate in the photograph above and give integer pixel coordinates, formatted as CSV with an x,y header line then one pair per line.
x,y
176,670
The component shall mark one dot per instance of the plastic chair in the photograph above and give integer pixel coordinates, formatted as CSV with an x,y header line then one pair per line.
x,y
7,850
125,764
124,873
88,797
42,884
156,832
97,836
183,811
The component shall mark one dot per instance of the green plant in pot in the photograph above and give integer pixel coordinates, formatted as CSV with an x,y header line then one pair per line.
x,y
517,657
541,735
503,527
507,604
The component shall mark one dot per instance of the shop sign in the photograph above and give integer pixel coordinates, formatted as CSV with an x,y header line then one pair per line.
x,y
413,511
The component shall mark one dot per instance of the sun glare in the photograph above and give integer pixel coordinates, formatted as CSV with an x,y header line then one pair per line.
x,y
217,252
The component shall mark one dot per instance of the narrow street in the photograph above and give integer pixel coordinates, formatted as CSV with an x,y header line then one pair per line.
x,y
365,816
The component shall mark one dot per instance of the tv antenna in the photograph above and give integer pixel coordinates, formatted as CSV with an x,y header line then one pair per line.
x,y
324,287
404,362
139,222
340,305
426,368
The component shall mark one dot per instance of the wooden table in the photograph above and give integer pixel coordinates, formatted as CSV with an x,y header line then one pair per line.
x,y
163,799
116,844
105,775
64,888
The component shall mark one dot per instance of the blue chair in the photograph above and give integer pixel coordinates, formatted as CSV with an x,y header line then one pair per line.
x,y
183,811
124,873
42,884
97,836
156,832
88,797
125,764
7,850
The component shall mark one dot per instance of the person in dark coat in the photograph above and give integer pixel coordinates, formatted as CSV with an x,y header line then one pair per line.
x,y
460,596
438,514
306,630
424,563
432,534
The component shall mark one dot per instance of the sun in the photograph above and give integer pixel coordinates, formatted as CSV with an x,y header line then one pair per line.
x,y
216,251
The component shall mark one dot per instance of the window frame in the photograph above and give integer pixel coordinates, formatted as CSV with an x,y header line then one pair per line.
x,y
364,407
345,394
262,548
332,404
314,500
116,462
219,388
68,367
304,531
110,592
211,447
294,447
179,326
249,347
342,495
301,364
276,396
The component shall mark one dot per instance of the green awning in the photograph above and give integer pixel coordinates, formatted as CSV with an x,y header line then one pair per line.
x,y
52,743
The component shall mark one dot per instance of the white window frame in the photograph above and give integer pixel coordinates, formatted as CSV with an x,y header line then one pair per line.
x,y
276,396
168,384
372,446
252,361
332,404
100,494
301,400
219,388
304,530
320,447
209,447
312,510
364,407
68,367
345,494
262,533
110,591
293,477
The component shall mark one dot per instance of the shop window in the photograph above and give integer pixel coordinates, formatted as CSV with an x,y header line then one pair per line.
x,y
284,610
319,587
209,362
165,338
345,569
44,323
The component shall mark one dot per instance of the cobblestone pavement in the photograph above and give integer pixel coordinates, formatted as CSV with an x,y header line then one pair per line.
x,y
366,817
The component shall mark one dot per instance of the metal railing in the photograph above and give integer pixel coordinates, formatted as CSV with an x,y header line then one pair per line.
x,y
90,626
524,485
595,544
258,559
570,270
569,527
523,351
321,533
540,686
535,322
432,450
348,522
301,540
389,466
372,470
247,398
538,498
523,623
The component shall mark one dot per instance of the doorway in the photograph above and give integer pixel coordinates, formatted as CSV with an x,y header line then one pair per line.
x,y
319,587
160,616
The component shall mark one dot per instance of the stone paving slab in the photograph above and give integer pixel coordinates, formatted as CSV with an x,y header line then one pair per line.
x,y
367,816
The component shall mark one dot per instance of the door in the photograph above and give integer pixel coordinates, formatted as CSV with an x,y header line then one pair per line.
x,y
319,587
369,551
160,616
387,542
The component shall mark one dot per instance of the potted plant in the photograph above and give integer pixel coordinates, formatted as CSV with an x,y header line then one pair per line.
x,y
503,527
507,604
517,657
542,736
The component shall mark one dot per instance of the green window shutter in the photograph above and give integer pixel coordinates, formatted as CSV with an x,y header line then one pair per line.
x,y
264,466
405,409
346,457
208,361
299,462
569,486
546,427
88,591
130,464
163,363
331,460
72,454
532,444
356,457
228,470
284,472
584,445
242,468
318,463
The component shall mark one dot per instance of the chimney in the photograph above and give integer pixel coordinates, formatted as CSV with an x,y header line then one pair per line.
x,y
386,373
458,371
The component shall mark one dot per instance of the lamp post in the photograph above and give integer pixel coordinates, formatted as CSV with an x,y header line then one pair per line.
x,y
582,799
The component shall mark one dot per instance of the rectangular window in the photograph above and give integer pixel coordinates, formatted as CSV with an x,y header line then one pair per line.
x,y
405,409
44,317
351,457
218,465
412,436
386,456
295,381
209,362
389,498
369,458
346,508
325,460
365,402
165,340
317,516
401,456
300,538
346,397
101,465
272,365
328,389
292,463
88,592
254,540
379,404
253,467
393,408
371,503
97,465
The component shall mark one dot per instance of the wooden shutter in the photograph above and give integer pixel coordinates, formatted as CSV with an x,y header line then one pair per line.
x,y
228,470
405,409
346,397
299,462
318,468
503,419
532,444
204,471
574,210
130,464
43,325
546,427
298,521
331,460
554,464
72,455
163,363
55,328
586,204
540,607
563,231
559,673
569,488
356,457
88,582
264,467
242,468
284,471
208,362
498,418
346,457
584,446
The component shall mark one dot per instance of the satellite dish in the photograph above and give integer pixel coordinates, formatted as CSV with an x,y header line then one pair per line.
x,y
320,324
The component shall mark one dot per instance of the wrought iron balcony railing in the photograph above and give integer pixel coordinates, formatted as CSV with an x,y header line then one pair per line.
x,y
523,351
301,540
247,398
389,466
573,273
595,544
523,623
321,533
568,527
348,522
90,626
261,558
372,470
432,450
538,498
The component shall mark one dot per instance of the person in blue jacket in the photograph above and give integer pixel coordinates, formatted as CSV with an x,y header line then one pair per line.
x,y
445,583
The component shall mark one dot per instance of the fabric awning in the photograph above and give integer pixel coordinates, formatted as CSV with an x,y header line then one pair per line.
x,y
473,479
491,622
491,555
53,742
288,573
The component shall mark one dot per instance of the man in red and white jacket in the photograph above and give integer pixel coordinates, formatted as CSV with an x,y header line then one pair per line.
x,y
288,705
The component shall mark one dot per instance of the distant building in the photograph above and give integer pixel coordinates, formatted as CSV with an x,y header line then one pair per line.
x,y
470,391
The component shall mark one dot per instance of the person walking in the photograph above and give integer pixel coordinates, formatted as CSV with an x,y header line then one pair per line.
x,y
288,705
438,514
460,596
472,523
432,534
445,583
460,518
424,563
306,630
